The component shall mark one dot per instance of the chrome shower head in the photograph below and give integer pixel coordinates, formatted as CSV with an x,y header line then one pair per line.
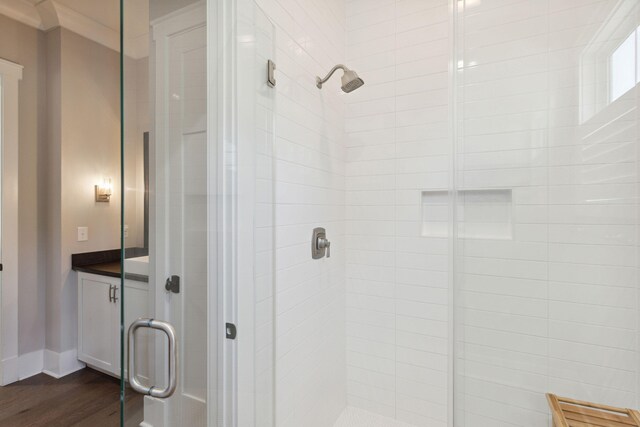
x,y
350,80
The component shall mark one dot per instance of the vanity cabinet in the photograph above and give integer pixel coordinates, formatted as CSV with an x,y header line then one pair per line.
x,y
99,321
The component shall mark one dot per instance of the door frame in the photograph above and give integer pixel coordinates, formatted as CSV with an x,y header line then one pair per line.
x,y
11,74
222,98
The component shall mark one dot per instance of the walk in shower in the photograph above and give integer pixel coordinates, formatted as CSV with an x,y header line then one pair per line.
x,y
478,197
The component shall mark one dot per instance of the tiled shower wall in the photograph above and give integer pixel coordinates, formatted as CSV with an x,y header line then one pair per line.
x,y
553,306
309,192
547,173
397,146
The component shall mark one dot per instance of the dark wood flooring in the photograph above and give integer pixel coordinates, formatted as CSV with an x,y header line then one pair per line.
x,y
84,398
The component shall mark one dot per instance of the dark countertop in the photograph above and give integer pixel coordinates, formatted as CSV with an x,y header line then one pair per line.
x,y
111,269
103,263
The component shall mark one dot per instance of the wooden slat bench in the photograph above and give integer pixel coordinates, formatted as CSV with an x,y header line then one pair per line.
x,y
577,413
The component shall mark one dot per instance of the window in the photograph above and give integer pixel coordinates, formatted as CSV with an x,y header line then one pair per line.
x,y
625,66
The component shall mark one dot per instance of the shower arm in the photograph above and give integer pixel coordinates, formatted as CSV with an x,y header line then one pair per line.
x,y
320,82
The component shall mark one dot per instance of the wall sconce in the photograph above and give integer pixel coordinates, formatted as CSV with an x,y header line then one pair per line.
x,y
103,191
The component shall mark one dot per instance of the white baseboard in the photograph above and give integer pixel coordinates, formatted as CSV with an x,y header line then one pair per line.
x,y
30,364
58,365
155,412
9,372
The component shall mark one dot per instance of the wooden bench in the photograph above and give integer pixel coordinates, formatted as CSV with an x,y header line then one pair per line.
x,y
577,413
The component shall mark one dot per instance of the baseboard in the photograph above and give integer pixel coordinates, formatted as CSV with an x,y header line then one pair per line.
x,y
30,364
9,370
156,412
58,365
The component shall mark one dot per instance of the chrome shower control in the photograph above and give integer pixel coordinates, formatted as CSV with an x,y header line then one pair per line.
x,y
319,244
325,244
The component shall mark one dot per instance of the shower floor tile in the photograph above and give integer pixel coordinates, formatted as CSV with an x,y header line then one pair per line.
x,y
354,417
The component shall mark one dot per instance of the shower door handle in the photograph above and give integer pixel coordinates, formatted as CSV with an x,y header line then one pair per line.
x,y
172,372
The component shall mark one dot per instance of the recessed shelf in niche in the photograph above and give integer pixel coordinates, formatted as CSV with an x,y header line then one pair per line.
x,y
481,214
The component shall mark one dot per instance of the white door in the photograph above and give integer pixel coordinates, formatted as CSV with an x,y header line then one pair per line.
x,y
182,216
187,252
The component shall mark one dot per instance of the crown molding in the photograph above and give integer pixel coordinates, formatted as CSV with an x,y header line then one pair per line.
x,y
49,14
58,15
21,11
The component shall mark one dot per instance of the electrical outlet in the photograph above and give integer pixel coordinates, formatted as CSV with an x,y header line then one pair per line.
x,y
126,231
83,234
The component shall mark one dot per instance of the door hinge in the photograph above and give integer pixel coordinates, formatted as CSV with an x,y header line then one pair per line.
x,y
231,331
173,284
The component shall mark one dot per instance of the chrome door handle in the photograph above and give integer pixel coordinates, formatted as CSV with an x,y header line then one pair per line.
x,y
111,293
172,373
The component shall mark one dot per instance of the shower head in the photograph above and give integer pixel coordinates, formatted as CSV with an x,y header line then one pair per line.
x,y
350,79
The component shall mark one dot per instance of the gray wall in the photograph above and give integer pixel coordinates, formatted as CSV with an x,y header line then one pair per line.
x,y
26,46
84,105
136,107
52,170
69,139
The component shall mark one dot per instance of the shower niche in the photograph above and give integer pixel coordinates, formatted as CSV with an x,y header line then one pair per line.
x,y
480,213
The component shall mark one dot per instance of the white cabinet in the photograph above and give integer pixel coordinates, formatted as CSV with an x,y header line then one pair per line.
x,y
98,326
99,321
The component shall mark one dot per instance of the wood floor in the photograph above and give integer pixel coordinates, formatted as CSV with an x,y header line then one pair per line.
x,y
84,398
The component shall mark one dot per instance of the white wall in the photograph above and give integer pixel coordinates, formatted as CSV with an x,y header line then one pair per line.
x,y
397,145
309,193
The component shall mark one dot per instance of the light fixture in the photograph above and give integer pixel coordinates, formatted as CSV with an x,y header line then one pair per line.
x,y
103,191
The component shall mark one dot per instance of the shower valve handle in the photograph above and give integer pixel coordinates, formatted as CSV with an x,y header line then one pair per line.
x,y
320,246
324,243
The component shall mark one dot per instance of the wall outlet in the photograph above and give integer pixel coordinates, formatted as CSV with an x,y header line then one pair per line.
x,y
126,231
83,234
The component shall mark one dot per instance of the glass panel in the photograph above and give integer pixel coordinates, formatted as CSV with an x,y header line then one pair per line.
x,y
170,172
255,289
547,109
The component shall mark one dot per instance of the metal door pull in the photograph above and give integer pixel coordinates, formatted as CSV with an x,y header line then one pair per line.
x,y
172,373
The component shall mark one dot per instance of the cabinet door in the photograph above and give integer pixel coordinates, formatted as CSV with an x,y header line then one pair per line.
x,y
97,324
137,296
